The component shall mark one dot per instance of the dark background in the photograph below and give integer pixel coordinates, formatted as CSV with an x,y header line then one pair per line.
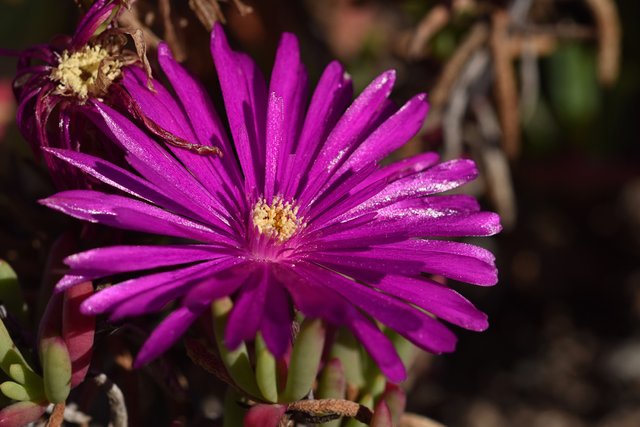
x,y
563,348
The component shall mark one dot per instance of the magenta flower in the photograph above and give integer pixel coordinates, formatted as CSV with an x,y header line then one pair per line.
x,y
301,216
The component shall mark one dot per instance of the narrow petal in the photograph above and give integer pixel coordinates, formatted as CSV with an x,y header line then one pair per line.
x,y
391,135
110,297
245,98
378,346
404,224
191,121
276,136
153,300
437,179
421,329
160,167
415,256
196,103
289,83
406,167
248,309
317,301
166,334
107,261
228,278
128,214
330,99
350,129
277,320
117,177
96,16
437,299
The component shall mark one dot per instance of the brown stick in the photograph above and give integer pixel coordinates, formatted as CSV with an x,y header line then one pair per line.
x,y
535,44
57,416
343,408
432,22
413,420
170,34
506,86
609,35
478,36
207,12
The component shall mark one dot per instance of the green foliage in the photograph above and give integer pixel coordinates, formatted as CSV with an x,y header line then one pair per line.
x,y
237,361
305,360
266,371
56,367
11,294
574,88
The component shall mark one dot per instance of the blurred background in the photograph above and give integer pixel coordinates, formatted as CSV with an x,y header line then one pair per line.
x,y
543,94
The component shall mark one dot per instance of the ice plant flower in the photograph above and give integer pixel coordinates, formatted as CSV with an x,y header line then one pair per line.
x,y
54,81
302,216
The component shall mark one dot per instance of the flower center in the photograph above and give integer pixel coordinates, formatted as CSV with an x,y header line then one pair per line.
x,y
278,220
86,72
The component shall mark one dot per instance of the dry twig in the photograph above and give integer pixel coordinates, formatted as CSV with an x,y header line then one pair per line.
x,y
477,37
338,407
454,114
117,406
170,34
609,35
413,420
506,86
57,416
208,12
432,22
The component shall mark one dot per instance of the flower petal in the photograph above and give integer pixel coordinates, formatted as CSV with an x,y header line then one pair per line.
x,y
350,129
289,83
391,134
245,98
418,327
329,101
317,301
277,320
166,334
96,16
415,256
128,214
437,179
248,309
159,167
109,298
117,177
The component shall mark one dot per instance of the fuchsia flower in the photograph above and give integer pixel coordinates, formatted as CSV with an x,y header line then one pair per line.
x,y
297,214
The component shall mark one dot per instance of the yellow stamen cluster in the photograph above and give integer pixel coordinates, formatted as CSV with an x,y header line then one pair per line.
x,y
279,219
86,72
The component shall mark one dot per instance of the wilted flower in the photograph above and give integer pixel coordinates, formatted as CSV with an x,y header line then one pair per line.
x,y
301,216
54,81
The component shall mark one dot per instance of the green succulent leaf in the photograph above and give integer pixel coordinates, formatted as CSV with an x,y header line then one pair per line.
x,y
332,385
10,292
346,349
266,371
237,361
10,356
305,360
17,391
56,367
